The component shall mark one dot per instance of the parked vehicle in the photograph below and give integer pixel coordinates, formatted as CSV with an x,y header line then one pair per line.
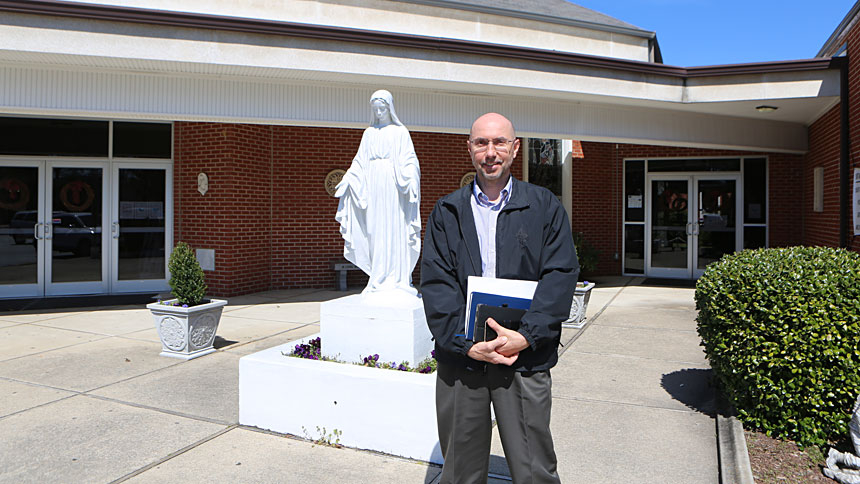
x,y
77,232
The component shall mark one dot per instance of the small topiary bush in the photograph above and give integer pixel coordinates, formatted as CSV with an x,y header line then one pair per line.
x,y
781,329
186,277
587,255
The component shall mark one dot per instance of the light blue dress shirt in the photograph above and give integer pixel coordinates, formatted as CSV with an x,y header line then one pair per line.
x,y
486,214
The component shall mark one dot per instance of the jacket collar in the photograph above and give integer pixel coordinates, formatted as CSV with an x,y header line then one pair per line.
x,y
461,202
461,199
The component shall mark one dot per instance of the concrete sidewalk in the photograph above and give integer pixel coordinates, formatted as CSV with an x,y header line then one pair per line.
x,y
85,397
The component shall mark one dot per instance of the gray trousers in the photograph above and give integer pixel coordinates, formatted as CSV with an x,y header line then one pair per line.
x,y
522,403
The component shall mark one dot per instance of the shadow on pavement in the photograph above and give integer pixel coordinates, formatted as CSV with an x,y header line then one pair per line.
x,y
222,343
694,388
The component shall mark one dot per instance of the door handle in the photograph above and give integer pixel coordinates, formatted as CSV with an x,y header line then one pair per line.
x,y
36,231
688,229
114,230
49,231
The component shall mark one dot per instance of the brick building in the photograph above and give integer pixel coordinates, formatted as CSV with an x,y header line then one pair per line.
x,y
114,111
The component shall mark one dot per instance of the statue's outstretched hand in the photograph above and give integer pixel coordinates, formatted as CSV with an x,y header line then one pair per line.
x,y
340,189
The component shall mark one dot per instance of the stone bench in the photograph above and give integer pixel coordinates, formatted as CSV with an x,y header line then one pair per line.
x,y
342,266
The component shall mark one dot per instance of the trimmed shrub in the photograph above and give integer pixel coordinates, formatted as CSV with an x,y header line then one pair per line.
x,y
587,255
186,277
781,329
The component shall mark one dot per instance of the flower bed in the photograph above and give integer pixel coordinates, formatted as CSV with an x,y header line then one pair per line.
x,y
312,350
290,395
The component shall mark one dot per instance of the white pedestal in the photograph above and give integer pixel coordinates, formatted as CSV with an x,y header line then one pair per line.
x,y
391,325
384,410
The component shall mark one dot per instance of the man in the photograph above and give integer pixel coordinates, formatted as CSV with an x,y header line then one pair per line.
x,y
497,227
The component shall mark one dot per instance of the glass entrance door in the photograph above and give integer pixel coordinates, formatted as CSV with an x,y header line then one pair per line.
x,y
141,227
21,229
75,260
715,228
670,232
692,222
51,218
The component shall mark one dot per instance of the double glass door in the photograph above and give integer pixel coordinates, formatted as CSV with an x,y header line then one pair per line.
x,y
82,228
693,222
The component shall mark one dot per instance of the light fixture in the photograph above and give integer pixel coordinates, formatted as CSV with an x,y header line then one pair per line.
x,y
766,109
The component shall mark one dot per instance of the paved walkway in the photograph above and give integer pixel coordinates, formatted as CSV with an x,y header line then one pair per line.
x,y
85,397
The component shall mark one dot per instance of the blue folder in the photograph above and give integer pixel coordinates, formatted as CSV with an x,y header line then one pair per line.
x,y
492,300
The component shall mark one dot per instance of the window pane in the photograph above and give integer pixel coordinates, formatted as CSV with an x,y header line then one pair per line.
x,y
53,137
19,202
755,191
669,216
634,190
694,165
755,237
634,249
141,140
545,163
141,223
76,225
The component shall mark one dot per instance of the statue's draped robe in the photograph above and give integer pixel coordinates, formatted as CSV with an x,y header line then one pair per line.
x,y
378,209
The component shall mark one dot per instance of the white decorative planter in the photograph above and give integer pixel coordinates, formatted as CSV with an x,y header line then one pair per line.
x,y
384,410
187,332
578,306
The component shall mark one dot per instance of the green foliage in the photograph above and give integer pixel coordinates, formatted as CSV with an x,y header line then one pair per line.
x,y
331,439
186,277
781,329
586,253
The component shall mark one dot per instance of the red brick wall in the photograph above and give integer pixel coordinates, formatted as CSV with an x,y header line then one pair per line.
x,y
267,214
854,127
822,228
271,222
233,217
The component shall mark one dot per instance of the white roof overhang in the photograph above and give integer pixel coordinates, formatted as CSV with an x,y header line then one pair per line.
x,y
132,65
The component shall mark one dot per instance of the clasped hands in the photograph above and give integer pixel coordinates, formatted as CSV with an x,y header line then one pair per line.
x,y
504,350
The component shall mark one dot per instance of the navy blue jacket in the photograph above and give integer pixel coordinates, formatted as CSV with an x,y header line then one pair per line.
x,y
533,242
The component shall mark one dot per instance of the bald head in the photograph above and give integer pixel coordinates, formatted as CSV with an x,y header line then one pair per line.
x,y
494,122
493,145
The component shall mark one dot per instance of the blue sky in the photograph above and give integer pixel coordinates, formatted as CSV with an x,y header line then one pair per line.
x,y
711,32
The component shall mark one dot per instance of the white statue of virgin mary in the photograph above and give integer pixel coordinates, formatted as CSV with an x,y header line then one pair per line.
x,y
379,199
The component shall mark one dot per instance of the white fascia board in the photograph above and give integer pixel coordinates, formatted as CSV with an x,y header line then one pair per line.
x,y
776,85
97,44
417,19
45,91
223,53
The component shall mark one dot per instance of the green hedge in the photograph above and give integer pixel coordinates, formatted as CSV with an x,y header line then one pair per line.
x,y
781,329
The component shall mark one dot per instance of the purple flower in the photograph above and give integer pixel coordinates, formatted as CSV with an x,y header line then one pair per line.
x,y
185,305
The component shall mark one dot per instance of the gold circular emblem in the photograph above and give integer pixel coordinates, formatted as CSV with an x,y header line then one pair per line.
x,y
332,179
14,194
467,178
77,196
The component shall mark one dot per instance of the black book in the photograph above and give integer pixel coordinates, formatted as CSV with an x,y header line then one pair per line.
x,y
506,317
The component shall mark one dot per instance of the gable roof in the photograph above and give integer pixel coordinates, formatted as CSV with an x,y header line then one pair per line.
x,y
555,11
836,42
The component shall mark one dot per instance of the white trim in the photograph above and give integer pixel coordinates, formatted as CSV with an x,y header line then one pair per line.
x,y
38,288
140,285
538,113
84,287
694,175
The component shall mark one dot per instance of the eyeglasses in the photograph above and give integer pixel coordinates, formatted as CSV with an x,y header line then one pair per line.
x,y
482,144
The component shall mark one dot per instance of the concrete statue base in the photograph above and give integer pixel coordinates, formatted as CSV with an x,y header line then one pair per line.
x,y
369,408
390,324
